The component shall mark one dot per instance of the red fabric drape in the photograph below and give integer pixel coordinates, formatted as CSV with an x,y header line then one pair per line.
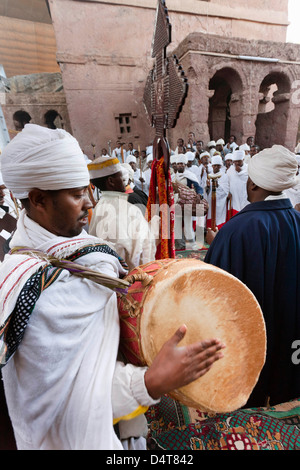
x,y
166,246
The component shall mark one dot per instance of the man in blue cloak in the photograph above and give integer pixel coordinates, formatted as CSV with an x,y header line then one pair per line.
x,y
261,247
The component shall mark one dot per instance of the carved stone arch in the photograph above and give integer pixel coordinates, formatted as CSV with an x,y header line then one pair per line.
x,y
273,109
225,104
191,73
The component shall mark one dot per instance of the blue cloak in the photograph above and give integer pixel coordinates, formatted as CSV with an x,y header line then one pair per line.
x,y
261,247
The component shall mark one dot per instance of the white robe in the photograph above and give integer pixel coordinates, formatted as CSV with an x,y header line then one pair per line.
x,y
222,192
123,225
293,194
64,386
238,187
141,186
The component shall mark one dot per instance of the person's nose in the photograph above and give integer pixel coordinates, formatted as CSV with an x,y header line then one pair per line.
x,y
87,203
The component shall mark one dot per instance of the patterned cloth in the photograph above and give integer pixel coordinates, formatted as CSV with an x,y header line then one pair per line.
x,y
12,331
166,247
173,426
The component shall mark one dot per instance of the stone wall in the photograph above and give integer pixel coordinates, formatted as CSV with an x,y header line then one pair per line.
x,y
229,84
104,51
35,94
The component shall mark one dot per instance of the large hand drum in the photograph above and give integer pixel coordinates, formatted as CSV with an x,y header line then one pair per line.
x,y
213,304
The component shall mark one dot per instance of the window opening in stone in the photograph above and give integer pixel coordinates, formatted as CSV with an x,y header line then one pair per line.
x,y
53,119
20,118
225,104
273,108
125,123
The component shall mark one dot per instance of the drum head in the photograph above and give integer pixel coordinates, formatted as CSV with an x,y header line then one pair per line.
x,y
213,304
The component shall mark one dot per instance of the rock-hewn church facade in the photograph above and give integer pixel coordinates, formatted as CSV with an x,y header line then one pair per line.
x,y
243,77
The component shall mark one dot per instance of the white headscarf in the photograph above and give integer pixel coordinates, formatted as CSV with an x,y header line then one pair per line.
x,y
48,159
216,160
181,158
150,157
190,156
131,159
274,169
238,155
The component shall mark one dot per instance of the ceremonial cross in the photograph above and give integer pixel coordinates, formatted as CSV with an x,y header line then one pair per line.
x,y
166,87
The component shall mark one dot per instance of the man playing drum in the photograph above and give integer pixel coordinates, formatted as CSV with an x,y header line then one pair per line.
x,y
64,386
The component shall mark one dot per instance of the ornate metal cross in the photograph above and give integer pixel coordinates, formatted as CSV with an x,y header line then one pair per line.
x,y
166,87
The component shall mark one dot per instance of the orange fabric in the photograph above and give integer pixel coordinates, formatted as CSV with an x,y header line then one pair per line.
x,y
166,246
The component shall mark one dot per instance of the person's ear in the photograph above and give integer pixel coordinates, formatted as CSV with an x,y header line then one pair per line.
x,y
253,186
110,182
38,198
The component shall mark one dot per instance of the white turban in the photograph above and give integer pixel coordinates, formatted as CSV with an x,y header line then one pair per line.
x,y
173,159
274,169
212,143
220,142
244,147
131,159
181,158
238,155
233,146
216,160
190,156
205,154
104,166
149,157
48,159
128,171
228,156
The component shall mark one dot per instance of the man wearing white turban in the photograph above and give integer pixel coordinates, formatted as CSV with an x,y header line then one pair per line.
x,y
60,331
222,192
238,176
261,247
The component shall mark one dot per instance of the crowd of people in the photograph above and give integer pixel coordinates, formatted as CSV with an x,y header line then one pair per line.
x,y
66,386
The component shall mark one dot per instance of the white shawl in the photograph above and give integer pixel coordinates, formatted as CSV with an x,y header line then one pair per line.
x,y
124,226
63,385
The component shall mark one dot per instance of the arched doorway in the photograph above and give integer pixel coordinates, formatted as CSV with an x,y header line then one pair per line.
x,y
273,110
53,119
225,105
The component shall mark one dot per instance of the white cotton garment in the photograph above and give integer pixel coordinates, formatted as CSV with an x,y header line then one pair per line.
x,y
125,228
48,159
274,169
64,386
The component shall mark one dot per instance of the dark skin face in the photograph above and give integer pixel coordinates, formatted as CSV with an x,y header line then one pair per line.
x,y
180,167
238,165
113,182
63,213
216,168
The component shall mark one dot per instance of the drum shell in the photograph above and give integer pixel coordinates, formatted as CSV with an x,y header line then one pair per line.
x,y
142,334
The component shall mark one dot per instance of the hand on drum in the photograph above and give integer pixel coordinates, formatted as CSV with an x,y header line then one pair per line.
x,y
176,366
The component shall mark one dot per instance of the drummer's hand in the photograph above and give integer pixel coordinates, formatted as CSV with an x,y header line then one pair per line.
x,y
211,235
176,366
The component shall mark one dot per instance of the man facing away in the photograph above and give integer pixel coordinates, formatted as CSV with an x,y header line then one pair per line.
x,y
64,386
261,247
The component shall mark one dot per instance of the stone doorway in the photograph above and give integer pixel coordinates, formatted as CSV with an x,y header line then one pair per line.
x,y
273,109
225,106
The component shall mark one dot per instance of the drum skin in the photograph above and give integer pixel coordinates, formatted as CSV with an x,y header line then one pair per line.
x,y
165,294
